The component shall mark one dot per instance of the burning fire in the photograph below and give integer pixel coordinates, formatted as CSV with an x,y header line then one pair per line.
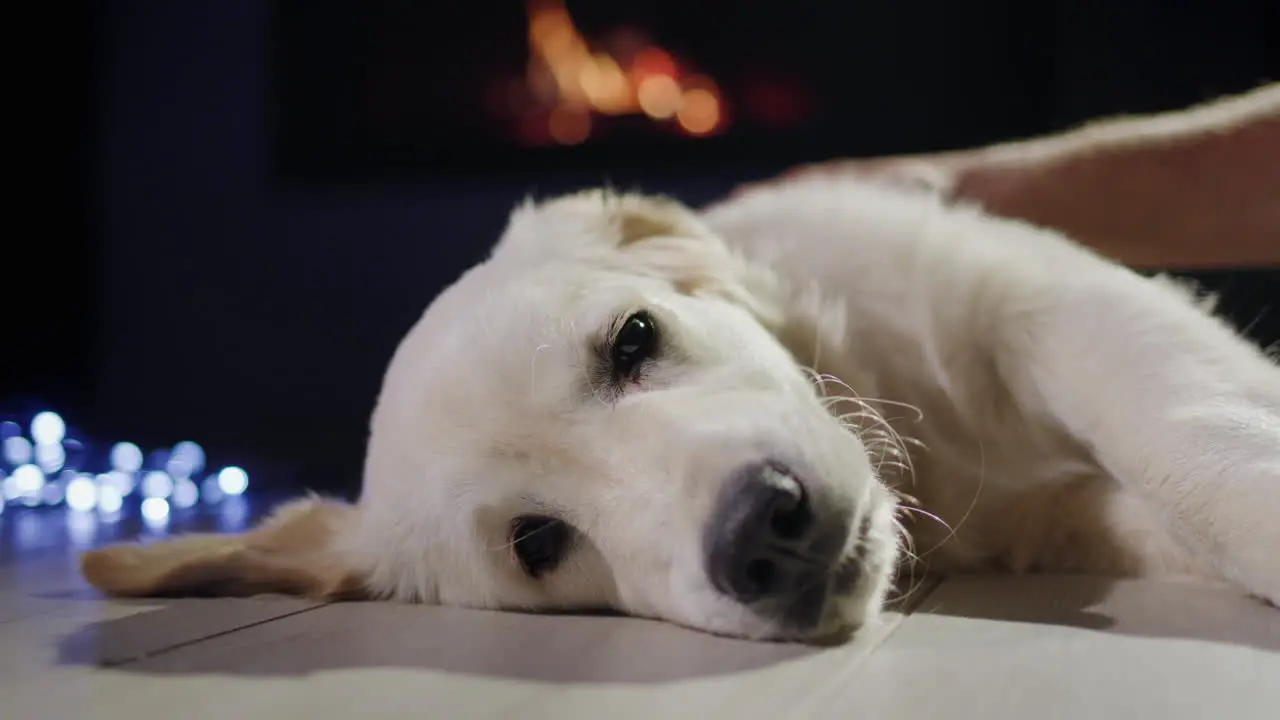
x,y
569,85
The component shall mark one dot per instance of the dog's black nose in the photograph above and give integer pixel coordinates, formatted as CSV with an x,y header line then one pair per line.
x,y
757,542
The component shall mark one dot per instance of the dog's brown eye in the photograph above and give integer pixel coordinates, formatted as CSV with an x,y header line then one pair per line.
x,y
635,342
540,543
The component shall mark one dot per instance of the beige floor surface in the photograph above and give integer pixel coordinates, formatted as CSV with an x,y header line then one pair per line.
x,y
1041,647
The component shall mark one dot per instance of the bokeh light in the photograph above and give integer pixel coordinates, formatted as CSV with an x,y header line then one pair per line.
x,y
571,80
123,482
233,481
126,457
155,512
659,96
156,484
17,450
109,500
48,428
28,481
699,112
185,460
46,468
185,493
82,493
50,457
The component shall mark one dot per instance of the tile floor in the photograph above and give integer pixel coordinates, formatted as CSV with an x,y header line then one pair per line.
x,y
1043,647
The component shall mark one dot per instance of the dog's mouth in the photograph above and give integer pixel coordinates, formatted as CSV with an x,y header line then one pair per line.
x,y
817,608
839,596
847,573
849,592
800,554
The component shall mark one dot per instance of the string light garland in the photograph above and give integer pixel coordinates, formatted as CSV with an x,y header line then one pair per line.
x,y
41,466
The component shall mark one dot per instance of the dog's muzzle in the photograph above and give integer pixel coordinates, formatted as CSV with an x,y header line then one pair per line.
x,y
768,546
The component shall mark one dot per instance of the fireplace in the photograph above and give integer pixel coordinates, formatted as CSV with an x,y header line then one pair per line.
x,y
376,88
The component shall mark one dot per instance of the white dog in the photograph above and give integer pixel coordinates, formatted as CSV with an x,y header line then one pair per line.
x,y
746,420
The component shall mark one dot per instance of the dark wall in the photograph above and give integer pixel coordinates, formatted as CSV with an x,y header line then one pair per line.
x,y
217,302
48,273
253,315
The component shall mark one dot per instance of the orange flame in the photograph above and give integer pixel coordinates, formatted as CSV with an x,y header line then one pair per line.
x,y
570,82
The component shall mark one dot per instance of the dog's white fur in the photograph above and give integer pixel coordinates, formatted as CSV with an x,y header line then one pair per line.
x,y
985,394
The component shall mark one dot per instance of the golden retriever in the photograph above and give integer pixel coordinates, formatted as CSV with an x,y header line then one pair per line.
x,y
747,419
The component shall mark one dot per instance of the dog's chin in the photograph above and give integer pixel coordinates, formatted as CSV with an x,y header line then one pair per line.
x,y
844,618
845,612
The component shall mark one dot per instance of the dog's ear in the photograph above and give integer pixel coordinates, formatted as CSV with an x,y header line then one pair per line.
x,y
294,552
597,220
640,234
639,218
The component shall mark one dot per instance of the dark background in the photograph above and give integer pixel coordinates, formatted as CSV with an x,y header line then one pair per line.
x,y
235,209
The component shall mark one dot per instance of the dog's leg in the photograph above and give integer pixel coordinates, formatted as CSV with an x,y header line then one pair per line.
x,y
1173,403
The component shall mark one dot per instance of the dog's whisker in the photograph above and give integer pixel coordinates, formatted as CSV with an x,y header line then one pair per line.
x,y
914,585
905,500
914,511
875,431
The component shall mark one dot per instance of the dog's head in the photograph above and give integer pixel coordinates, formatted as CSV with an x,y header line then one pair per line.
x,y
609,413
